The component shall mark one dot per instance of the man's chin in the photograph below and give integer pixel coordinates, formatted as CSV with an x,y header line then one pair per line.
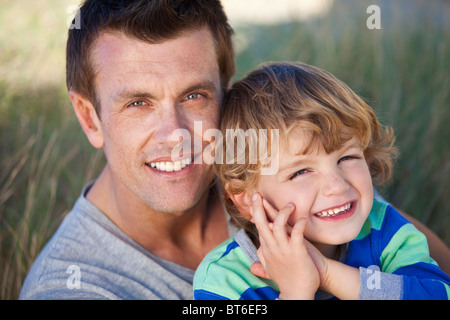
x,y
178,202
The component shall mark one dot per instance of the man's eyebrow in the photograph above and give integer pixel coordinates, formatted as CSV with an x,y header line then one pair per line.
x,y
126,94
206,85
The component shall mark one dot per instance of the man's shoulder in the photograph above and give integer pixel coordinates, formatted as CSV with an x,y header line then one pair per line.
x,y
89,257
68,255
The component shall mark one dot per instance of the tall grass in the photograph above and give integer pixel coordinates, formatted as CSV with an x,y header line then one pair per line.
x,y
402,70
45,158
43,168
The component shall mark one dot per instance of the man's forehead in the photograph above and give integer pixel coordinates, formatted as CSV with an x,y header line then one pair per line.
x,y
120,59
135,54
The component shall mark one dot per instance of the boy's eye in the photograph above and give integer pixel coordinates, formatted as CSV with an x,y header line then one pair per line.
x,y
348,158
299,172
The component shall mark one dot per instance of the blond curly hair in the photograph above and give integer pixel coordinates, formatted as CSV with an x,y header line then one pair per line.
x,y
286,95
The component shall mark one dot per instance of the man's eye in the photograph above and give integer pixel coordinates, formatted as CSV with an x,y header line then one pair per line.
x,y
193,96
138,103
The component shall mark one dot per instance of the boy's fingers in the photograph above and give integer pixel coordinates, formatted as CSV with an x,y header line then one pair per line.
x,y
260,217
258,270
280,224
299,229
270,211
261,256
273,213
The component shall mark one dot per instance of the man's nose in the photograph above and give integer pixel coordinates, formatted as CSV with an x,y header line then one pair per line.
x,y
170,120
334,183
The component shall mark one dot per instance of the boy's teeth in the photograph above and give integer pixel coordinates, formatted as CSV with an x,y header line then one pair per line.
x,y
335,211
171,166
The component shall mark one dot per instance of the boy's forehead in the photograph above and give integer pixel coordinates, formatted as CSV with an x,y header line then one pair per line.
x,y
300,141
297,141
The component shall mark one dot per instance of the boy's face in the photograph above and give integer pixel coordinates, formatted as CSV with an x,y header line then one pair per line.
x,y
334,190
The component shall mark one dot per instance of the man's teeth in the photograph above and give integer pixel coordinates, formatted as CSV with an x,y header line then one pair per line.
x,y
335,211
171,166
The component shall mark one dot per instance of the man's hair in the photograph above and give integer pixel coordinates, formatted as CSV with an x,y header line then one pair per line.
x,y
285,96
153,21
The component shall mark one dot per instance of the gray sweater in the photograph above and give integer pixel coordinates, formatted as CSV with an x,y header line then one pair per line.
x,y
89,257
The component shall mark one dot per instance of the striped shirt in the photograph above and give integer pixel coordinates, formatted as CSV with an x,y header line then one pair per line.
x,y
391,254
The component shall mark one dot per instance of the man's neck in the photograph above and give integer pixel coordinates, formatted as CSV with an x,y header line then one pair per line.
x,y
183,237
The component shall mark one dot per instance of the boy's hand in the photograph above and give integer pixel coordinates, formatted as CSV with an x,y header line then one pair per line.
x,y
283,252
319,260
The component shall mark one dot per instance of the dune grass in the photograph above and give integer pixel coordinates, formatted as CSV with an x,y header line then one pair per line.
x,y
401,70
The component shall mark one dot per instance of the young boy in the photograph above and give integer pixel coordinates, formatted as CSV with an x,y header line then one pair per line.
x,y
331,238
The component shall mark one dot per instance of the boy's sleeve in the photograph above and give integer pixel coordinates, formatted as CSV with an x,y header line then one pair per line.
x,y
407,270
200,294
377,285
213,279
225,274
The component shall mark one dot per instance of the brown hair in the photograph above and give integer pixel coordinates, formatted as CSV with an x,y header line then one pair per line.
x,y
287,95
153,21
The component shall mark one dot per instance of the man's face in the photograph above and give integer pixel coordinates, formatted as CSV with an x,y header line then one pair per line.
x,y
147,91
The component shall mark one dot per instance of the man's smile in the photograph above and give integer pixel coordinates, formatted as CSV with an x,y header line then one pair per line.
x,y
169,166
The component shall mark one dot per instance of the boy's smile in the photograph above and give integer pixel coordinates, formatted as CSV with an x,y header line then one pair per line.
x,y
333,190
337,212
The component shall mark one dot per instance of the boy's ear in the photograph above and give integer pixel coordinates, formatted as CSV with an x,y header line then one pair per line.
x,y
88,118
243,203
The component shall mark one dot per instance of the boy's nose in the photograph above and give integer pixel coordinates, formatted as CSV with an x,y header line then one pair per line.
x,y
334,184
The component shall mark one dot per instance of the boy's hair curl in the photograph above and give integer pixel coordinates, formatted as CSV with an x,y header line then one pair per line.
x,y
285,96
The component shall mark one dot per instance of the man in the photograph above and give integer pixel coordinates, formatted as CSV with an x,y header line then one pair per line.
x,y
136,72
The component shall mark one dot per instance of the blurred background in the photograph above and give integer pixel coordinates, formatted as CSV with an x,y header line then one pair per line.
x,y
402,70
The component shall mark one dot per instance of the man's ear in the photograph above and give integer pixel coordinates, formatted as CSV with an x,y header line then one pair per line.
x,y
243,203
88,118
